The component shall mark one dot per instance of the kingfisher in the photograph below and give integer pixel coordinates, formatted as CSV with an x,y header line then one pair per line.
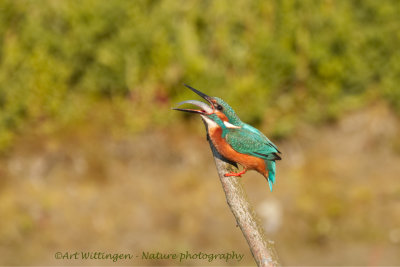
x,y
237,141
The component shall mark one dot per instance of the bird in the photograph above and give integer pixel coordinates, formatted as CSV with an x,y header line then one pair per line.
x,y
235,140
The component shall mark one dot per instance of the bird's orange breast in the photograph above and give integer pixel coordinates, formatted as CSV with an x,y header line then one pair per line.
x,y
225,149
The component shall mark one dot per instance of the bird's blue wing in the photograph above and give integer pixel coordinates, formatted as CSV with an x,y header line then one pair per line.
x,y
256,131
251,143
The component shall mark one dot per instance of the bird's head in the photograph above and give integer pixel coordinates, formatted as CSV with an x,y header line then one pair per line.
x,y
218,110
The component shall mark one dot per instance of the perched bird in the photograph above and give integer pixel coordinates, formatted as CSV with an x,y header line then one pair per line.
x,y
237,141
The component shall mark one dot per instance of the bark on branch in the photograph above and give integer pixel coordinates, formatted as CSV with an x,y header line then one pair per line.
x,y
262,249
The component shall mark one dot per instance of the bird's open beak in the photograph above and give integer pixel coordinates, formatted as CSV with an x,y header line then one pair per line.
x,y
204,108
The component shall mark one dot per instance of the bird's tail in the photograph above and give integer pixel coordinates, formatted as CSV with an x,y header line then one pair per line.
x,y
271,173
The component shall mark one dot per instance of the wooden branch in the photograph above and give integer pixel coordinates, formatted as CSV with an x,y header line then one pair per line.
x,y
262,249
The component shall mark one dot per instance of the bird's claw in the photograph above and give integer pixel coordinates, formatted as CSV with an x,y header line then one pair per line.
x,y
239,174
233,174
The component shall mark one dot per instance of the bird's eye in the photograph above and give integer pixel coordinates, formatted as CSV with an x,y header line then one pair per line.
x,y
219,107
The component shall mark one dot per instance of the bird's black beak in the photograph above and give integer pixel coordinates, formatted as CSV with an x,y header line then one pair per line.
x,y
205,109
203,95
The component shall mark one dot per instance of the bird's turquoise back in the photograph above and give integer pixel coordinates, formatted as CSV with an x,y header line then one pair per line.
x,y
256,131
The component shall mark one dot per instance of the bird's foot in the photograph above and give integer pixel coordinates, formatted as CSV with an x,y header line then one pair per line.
x,y
239,174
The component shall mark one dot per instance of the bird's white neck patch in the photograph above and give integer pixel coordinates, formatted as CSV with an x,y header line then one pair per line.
x,y
230,125
212,124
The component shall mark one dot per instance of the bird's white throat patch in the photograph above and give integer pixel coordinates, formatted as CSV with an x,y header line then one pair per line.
x,y
210,123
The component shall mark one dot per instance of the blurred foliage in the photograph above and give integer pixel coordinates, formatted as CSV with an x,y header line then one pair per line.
x,y
276,62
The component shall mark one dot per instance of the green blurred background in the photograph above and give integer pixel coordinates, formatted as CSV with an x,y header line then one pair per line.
x,y
93,159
